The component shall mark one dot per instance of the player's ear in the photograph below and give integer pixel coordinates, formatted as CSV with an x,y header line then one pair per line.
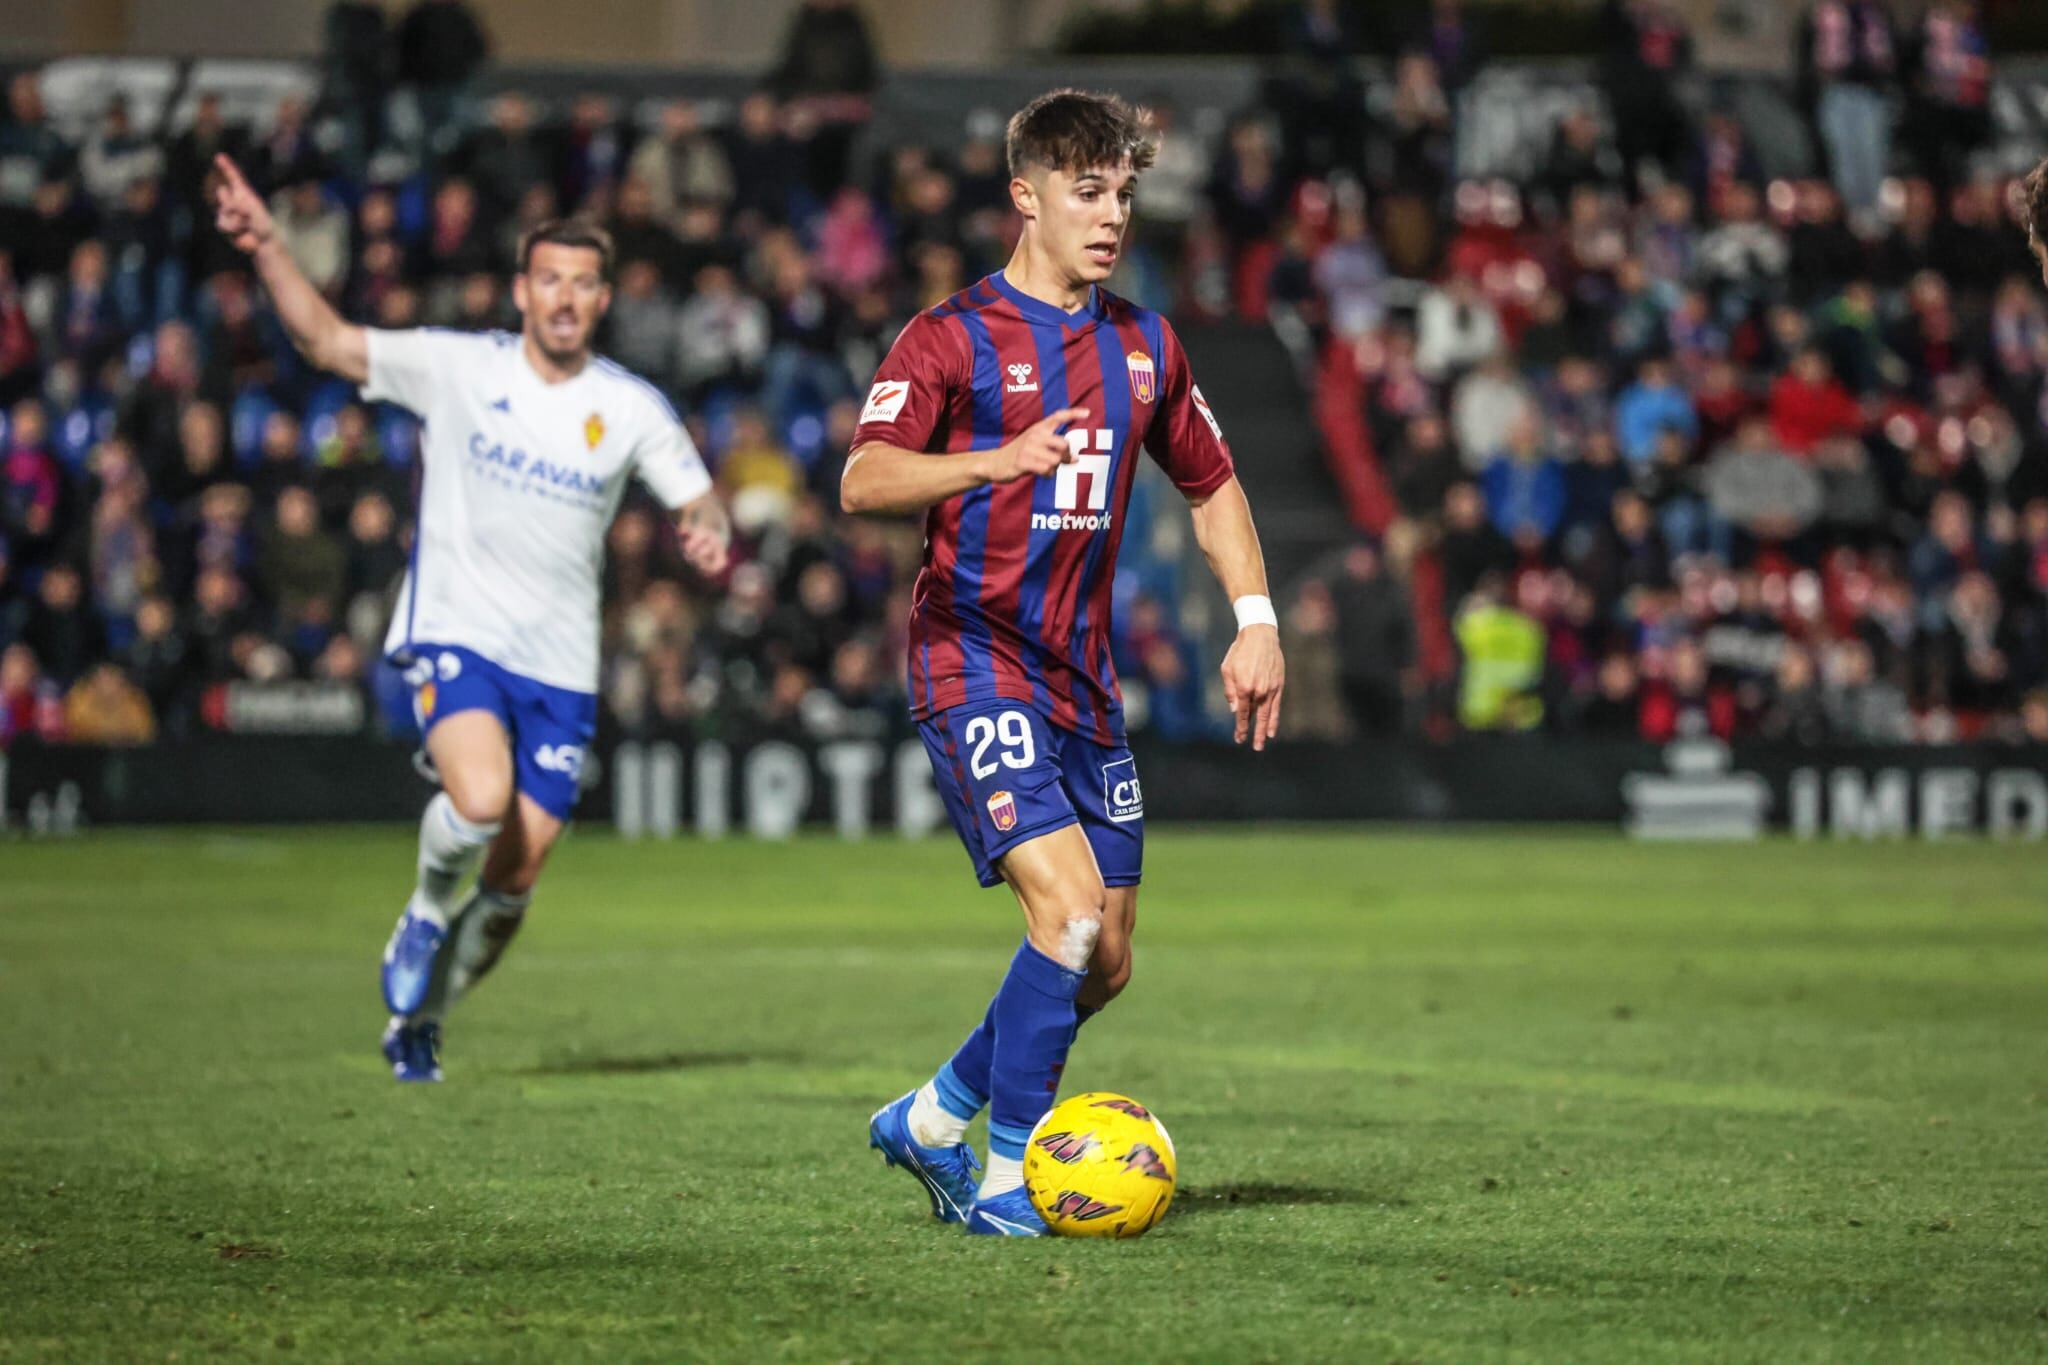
x,y
1024,192
519,291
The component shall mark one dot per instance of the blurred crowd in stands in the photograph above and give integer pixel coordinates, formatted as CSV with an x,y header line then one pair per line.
x,y
1634,444
1662,448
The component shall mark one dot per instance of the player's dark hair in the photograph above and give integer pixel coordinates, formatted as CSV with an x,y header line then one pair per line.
x,y
2035,190
1078,131
567,232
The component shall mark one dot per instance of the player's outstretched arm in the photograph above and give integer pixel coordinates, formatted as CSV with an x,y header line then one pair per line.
x,y
885,479
1254,674
314,327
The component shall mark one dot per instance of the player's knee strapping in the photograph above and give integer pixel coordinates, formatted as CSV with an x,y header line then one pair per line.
x,y
1077,940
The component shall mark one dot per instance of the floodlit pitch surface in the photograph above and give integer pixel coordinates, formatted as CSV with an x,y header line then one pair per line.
x,y
1457,1097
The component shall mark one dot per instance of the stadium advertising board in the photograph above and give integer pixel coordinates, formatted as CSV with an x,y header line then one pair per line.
x,y
675,787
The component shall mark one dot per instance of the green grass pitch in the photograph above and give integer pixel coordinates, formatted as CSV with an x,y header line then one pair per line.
x,y
1475,1096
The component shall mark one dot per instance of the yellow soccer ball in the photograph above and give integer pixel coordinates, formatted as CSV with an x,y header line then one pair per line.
x,y
1100,1165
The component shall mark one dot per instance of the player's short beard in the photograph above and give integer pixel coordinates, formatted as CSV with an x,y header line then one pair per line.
x,y
536,334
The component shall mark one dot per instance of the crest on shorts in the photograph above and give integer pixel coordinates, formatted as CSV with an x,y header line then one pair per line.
x,y
1002,808
593,430
1140,366
427,695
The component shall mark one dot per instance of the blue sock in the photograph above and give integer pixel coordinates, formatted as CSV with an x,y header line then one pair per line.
x,y
963,1082
1034,1027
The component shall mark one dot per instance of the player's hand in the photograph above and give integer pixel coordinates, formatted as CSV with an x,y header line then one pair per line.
x,y
1036,453
1254,675
706,534
238,211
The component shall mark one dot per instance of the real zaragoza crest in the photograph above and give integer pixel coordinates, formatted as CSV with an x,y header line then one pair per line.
x,y
593,430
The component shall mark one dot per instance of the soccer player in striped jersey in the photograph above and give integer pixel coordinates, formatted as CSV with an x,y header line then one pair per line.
x,y
528,446
1013,416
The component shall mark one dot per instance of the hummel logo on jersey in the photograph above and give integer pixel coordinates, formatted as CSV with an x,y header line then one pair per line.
x,y
502,405
1066,484
1020,379
566,759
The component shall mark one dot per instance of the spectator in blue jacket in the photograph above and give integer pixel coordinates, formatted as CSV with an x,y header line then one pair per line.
x,y
1649,407
1526,489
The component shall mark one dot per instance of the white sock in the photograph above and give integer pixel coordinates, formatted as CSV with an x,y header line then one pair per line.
x,y
931,1123
485,923
1005,1173
449,849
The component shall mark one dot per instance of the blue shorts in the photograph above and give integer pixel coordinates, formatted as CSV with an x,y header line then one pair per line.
x,y
550,726
1007,775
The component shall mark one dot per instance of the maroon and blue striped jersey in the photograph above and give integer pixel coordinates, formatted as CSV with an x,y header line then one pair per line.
x,y
1013,602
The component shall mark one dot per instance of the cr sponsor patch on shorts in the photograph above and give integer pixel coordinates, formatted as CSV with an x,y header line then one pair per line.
x,y
1122,797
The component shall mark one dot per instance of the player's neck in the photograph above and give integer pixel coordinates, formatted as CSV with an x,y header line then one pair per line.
x,y
551,371
1030,273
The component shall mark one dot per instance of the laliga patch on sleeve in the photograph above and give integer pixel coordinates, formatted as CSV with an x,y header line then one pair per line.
x,y
1122,797
885,400
1202,406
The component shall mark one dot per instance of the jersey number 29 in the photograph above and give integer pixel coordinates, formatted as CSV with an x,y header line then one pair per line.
x,y
1012,730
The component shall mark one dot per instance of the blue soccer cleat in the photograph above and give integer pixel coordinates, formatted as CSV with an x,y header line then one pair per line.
x,y
409,961
1009,1214
947,1173
414,1050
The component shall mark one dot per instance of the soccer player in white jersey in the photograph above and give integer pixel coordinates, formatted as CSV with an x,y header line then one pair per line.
x,y
528,444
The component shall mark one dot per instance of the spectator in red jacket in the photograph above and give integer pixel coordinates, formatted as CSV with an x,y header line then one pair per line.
x,y
1809,405
1685,703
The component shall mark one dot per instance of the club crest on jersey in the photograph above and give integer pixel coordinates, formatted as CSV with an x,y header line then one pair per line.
x,y
1079,1207
1140,366
1002,808
1066,1148
1020,379
885,400
593,430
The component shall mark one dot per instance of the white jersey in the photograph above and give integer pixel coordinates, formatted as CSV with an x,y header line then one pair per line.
x,y
520,479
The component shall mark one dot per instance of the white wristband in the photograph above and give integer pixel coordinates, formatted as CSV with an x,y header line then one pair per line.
x,y
1255,610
